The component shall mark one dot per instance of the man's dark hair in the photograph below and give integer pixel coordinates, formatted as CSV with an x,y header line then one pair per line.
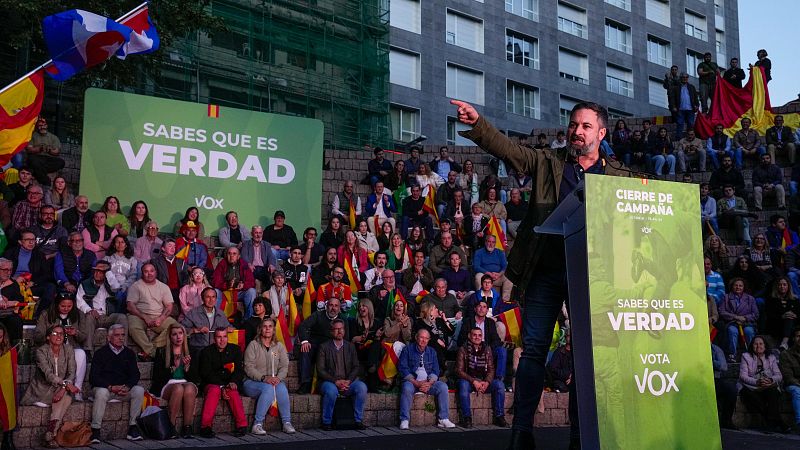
x,y
203,292
475,328
704,184
647,121
729,186
377,150
600,110
560,133
309,229
706,54
335,321
221,330
773,219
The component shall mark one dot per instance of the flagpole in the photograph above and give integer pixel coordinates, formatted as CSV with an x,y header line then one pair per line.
x,y
50,61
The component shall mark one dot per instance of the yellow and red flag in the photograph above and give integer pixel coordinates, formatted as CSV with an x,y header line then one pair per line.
x,y
388,368
150,400
494,229
8,390
236,337
352,218
307,299
282,331
19,110
513,322
228,305
352,275
213,111
430,204
295,319
183,252
420,295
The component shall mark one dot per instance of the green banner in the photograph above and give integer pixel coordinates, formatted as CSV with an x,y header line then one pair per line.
x,y
174,154
650,332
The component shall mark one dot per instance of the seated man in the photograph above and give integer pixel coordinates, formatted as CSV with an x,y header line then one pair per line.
x,y
281,236
50,236
380,207
336,288
690,148
73,263
115,376
312,250
489,335
149,306
418,277
790,369
445,194
748,141
148,246
196,255
378,167
296,273
386,294
418,367
475,227
313,332
27,258
200,322
443,300
19,188
475,371
727,174
322,272
516,209
768,180
221,375
459,281
79,216
259,255
170,269
232,272
456,210
414,213
42,152
445,226
732,213
26,212
96,300
233,235
488,260
440,254
780,138
375,275
341,203
708,210
337,369
719,145
559,368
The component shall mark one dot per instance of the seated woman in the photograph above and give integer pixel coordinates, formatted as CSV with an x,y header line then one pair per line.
x,y
493,207
441,331
59,196
53,382
277,295
97,236
366,333
266,365
385,237
351,251
417,240
739,313
365,237
459,279
760,378
764,258
717,252
782,309
10,298
172,366
754,279
418,277
189,295
64,312
398,256
396,177
487,291
124,267
114,217
137,220
261,310
396,331
333,236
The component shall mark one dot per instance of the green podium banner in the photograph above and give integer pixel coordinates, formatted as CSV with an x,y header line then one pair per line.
x,y
650,331
174,154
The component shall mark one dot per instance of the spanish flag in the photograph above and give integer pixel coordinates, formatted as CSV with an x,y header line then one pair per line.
x,y
282,331
352,275
513,322
213,111
394,297
19,110
352,217
295,319
8,390
494,229
273,408
236,337
228,305
388,368
430,204
150,400
183,253
307,299
421,294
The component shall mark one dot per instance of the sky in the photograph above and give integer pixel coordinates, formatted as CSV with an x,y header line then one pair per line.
x,y
769,25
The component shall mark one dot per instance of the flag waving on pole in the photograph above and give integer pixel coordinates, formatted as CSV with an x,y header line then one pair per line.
x,y
388,368
352,218
295,319
19,109
8,390
494,229
513,322
307,299
282,331
430,204
352,275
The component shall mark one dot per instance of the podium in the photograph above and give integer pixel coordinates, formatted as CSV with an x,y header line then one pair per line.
x,y
640,335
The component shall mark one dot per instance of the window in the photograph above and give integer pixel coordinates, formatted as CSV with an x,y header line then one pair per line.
x,y
572,20
528,9
719,14
657,11
624,4
696,25
573,66
453,127
404,68
522,99
616,114
565,105
619,80
659,51
721,54
658,95
618,36
522,49
405,14
464,84
464,31
693,59
405,123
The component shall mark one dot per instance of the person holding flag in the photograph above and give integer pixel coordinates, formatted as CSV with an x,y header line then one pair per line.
x,y
266,365
366,333
385,296
346,206
221,375
414,213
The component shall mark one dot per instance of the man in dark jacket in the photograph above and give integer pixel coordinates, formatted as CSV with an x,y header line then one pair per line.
x,y
115,375
727,174
27,258
73,264
780,137
221,375
313,332
337,369
414,213
475,371
768,180
790,369
489,335
684,104
536,263
79,216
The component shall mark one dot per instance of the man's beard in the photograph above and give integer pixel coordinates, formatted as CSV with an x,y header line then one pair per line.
x,y
578,148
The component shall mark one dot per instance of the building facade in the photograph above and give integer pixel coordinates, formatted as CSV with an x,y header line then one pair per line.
x,y
526,64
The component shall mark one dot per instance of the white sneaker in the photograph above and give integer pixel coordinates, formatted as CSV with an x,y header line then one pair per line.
x,y
258,430
288,428
40,404
445,423
403,424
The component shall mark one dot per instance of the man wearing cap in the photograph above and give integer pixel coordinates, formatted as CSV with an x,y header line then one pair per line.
x,y
259,256
232,233
197,253
150,304
232,272
378,167
96,300
281,236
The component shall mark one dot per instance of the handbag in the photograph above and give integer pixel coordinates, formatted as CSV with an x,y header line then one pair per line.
x,y
343,415
156,425
74,434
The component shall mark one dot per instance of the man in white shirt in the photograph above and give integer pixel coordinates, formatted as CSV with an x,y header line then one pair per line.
x,y
375,275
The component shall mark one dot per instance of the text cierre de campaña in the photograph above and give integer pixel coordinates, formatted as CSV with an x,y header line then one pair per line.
x,y
644,202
